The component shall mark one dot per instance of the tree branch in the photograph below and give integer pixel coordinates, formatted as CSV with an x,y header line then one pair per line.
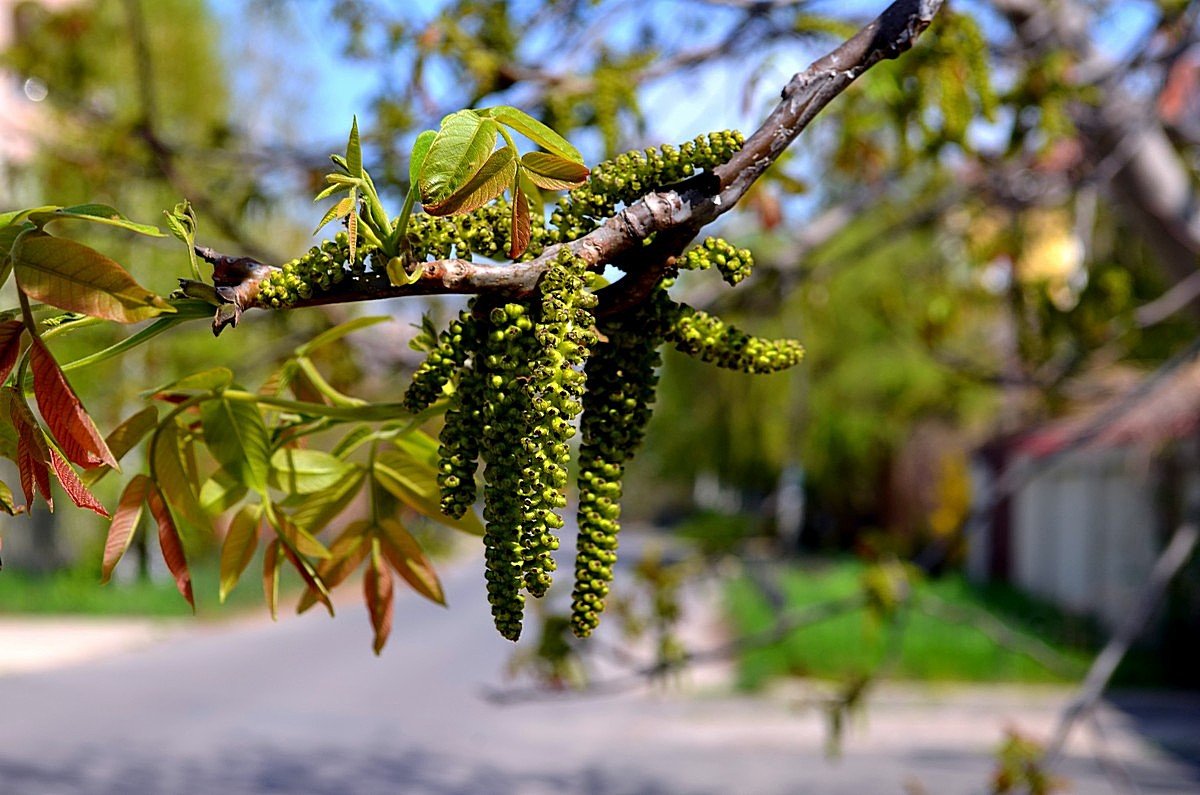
x,y
676,215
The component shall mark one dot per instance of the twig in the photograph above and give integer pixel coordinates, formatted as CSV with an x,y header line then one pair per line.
x,y
1177,553
788,623
677,214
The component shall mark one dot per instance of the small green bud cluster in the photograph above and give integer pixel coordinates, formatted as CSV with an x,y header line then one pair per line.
x,y
486,231
734,264
631,175
564,336
622,377
707,337
321,267
432,378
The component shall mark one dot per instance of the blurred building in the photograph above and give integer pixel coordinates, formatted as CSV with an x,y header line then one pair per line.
x,y
1078,510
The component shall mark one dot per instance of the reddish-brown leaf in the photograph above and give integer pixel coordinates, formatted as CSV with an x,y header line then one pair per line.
x,y
272,558
78,492
10,345
312,580
377,590
70,424
33,454
409,561
345,554
521,231
124,524
172,545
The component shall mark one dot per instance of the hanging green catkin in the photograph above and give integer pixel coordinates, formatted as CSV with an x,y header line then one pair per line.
x,y
563,337
429,382
710,339
504,369
621,380
734,264
458,453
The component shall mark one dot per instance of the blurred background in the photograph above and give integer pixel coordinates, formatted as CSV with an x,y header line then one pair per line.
x,y
989,249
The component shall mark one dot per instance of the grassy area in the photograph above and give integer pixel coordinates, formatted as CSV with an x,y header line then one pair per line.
x,y
930,649
78,591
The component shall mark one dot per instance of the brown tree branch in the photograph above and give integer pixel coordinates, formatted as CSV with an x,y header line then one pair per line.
x,y
676,215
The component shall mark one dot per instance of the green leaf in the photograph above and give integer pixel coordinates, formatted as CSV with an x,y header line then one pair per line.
x,y
238,548
220,493
297,537
535,131
237,438
71,276
182,223
122,439
8,502
172,478
420,151
96,213
490,181
354,151
317,510
340,210
352,440
272,559
552,172
337,332
211,380
413,480
462,145
306,471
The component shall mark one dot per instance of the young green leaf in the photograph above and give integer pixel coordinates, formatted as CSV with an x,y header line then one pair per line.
x,y
213,379
220,493
237,438
171,545
238,547
342,209
124,523
409,561
414,482
306,471
354,163
69,422
272,560
8,503
493,177
462,145
420,151
182,223
297,537
96,213
339,331
172,477
535,131
552,172
319,509
71,276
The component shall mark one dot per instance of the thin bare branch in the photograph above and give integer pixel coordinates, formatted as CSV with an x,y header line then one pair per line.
x,y
675,215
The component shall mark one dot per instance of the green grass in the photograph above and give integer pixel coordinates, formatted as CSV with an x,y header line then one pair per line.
x,y
930,649
77,591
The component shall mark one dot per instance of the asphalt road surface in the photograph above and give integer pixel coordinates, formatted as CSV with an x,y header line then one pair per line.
x,y
303,706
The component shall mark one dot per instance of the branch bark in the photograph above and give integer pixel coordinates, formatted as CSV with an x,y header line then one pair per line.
x,y
675,215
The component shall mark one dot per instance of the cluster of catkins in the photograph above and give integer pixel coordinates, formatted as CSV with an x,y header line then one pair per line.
x,y
520,374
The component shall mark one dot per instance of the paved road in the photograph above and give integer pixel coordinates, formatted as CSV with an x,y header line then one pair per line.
x,y
303,707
